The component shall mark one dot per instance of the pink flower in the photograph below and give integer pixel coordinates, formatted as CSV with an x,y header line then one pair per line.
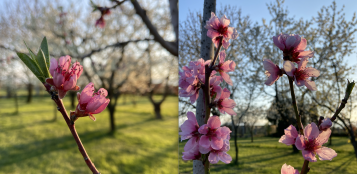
x,y
219,27
224,104
192,89
64,77
273,72
89,104
215,89
190,131
213,134
288,169
325,124
192,154
220,154
100,22
302,74
292,46
311,144
290,136
225,66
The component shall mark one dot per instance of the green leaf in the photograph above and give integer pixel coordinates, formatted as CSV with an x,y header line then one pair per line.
x,y
33,66
44,48
33,56
41,60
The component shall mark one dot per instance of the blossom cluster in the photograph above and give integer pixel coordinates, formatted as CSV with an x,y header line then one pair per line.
x,y
293,47
209,138
65,78
310,143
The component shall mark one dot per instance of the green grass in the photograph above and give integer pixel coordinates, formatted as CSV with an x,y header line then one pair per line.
x,y
267,155
32,142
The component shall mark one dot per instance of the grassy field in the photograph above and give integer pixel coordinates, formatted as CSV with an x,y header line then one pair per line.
x,y
267,155
33,142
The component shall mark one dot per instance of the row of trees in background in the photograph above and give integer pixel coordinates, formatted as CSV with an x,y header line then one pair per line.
x,y
329,34
134,52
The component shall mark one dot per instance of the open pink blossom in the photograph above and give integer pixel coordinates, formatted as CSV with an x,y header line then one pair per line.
x,y
190,131
311,144
224,67
288,169
192,89
212,134
90,103
192,154
325,124
273,72
219,27
293,46
215,89
290,136
64,76
225,104
220,154
302,73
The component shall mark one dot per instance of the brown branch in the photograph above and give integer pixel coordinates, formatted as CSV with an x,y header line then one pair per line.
x,y
169,46
72,128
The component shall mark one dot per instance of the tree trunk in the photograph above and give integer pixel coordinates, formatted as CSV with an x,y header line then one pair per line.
x,y
354,144
234,127
207,53
157,108
73,95
29,92
251,135
330,143
16,103
112,119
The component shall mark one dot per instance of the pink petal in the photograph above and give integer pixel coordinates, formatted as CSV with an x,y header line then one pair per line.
x,y
287,140
53,65
234,34
278,43
225,93
290,42
204,150
224,21
224,157
310,156
216,143
326,123
270,66
95,103
272,79
203,129
101,107
213,158
323,137
222,56
303,63
212,34
299,82
87,93
310,85
312,72
287,169
225,43
291,131
190,144
58,79
70,83
302,45
306,54
311,131
300,142
325,153
289,68
226,78
191,116
204,142
214,122
225,131
228,103
229,111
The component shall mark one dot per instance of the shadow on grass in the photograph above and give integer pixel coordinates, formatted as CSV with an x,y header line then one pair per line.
x,y
21,152
143,162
